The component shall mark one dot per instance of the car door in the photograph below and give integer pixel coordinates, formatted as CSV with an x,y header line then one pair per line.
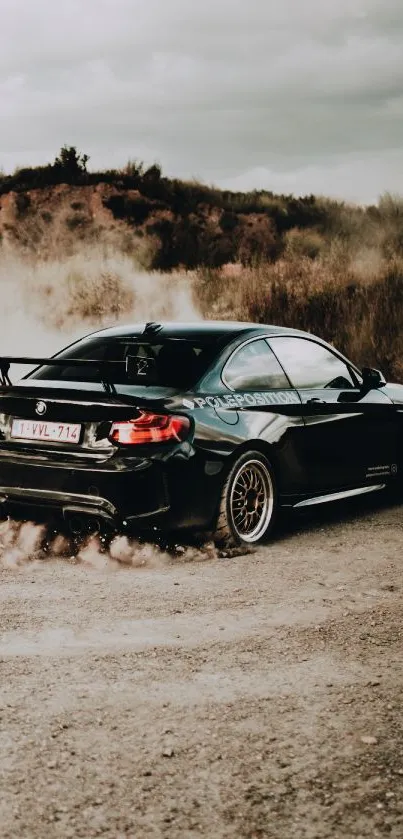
x,y
270,410
350,434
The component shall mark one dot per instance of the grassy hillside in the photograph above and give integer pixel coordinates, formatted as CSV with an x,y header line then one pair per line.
x,y
323,265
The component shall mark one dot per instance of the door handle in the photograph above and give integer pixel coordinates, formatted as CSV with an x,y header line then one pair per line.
x,y
316,401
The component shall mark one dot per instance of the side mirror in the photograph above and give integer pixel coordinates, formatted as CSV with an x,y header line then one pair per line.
x,y
372,379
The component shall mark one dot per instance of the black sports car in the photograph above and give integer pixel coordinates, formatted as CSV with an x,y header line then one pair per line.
x,y
208,426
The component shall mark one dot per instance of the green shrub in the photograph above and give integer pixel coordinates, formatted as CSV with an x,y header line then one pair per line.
x,y
133,210
22,204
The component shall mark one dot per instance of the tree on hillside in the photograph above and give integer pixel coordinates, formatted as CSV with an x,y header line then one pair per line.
x,y
71,162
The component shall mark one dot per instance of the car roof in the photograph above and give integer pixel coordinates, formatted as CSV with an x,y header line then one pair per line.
x,y
198,330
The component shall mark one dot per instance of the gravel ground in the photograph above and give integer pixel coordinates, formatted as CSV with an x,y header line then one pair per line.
x,y
201,696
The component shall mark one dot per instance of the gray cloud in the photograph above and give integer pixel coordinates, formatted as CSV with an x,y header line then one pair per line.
x,y
292,96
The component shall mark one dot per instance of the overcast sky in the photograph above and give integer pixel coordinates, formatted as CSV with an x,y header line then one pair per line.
x,y
290,95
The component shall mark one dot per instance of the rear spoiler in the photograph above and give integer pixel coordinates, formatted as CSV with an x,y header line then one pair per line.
x,y
141,370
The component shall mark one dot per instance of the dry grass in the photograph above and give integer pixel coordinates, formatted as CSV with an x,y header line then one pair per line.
x,y
358,309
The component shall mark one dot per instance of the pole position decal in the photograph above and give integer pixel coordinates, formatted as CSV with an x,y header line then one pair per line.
x,y
243,400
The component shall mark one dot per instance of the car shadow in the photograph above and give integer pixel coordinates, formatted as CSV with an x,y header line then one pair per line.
x,y
349,511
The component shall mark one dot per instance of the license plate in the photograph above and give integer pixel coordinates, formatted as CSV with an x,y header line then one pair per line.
x,y
52,432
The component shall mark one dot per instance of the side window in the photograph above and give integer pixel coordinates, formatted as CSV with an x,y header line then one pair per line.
x,y
309,365
254,367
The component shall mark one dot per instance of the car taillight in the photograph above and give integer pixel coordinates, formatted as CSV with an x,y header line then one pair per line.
x,y
150,428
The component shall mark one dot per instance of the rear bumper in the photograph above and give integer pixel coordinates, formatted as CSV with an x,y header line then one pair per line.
x,y
78,511
60,500
121,494
170,492
72,504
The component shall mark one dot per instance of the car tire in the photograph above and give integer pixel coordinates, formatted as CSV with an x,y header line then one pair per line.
x,y
248,503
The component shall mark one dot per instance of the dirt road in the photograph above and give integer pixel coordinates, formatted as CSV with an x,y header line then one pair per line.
x,y
206,697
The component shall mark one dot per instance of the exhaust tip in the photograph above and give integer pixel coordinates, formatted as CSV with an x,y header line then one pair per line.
x,y
76,525
83,525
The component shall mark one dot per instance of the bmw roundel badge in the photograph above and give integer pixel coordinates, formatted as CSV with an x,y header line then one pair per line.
x,y
41,408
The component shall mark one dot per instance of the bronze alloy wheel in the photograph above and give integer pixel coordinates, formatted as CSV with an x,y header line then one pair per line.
x,y
251,501
248,501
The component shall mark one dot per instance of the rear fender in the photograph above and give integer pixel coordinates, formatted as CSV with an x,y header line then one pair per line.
x,y
266,449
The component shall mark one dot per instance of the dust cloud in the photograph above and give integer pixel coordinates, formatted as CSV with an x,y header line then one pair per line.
x,y
47,304
19,543
29,545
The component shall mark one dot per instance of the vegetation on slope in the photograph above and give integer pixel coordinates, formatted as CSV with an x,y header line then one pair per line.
x,y
319,264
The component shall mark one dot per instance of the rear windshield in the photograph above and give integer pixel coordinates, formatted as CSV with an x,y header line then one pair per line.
x,y
175,362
